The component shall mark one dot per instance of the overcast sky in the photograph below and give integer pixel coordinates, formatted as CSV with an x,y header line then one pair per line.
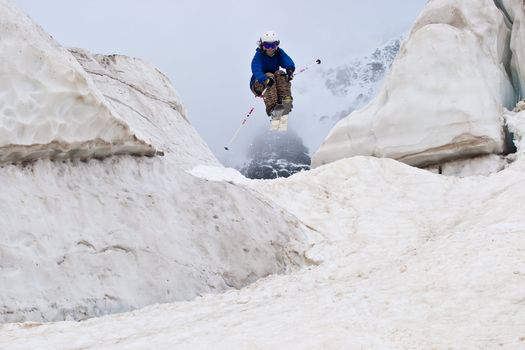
x,y
205,47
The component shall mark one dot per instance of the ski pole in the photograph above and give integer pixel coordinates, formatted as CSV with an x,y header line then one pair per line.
x,y
227,147
317,61
243,122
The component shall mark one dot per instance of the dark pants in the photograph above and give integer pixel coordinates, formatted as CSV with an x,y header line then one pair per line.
x,y
274,95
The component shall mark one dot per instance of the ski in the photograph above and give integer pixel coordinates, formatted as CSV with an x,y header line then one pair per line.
x,y
283,124
279,117
277,113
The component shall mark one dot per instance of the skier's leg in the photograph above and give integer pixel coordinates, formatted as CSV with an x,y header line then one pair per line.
x,y
270,96
284,90
257,89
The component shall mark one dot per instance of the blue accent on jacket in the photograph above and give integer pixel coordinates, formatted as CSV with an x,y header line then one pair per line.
x,y
262,64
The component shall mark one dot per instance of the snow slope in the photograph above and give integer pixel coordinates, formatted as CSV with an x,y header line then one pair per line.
x,y
408,259
102,237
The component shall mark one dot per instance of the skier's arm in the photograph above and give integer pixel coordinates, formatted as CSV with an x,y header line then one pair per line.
x,y
285,61
257,69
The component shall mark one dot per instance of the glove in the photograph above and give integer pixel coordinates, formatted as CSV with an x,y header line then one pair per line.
x,y
269,82
289,72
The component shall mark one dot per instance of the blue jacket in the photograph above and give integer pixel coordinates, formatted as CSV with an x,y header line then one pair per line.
x,y
262,63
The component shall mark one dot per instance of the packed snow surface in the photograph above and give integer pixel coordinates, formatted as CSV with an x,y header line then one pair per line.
x,y
407,259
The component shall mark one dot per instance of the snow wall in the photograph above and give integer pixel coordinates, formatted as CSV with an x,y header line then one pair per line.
x,y
447,91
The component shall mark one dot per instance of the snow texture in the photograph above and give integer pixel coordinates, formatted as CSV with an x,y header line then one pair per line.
x,y
444,96
50,107
407,259
152,107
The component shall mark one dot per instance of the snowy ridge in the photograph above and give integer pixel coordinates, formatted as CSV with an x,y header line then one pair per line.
x,y
50,106
139,91
135,73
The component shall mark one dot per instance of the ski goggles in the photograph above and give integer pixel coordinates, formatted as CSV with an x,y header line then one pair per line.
x,y
273,45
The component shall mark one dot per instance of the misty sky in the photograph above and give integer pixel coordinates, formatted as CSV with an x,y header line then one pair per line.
x,y
206,47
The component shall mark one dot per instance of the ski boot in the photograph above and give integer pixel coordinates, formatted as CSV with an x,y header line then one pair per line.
x,y
287,105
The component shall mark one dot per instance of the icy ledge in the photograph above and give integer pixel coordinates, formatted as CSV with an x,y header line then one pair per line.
x,y
49,106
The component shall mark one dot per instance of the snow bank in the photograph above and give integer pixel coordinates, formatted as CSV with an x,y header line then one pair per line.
x,y
150,104
50,107
444,96
409,260
83,239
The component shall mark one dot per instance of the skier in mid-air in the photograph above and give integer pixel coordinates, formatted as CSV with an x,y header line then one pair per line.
x,y
266,73
271,83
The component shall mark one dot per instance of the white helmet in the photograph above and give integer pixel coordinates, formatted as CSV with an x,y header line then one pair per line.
x,y
269,37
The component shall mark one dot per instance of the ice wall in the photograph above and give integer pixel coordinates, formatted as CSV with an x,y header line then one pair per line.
x,y
514,12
